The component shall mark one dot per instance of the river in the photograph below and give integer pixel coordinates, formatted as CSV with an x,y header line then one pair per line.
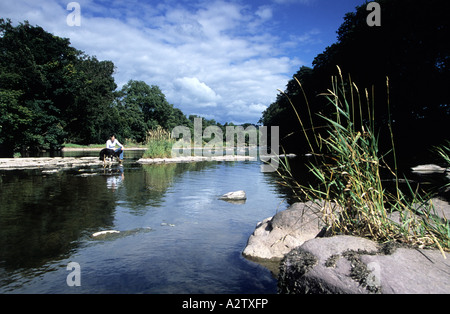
x,y
175,236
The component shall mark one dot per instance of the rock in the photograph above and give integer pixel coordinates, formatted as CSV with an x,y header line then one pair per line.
x,y
411,271
50,171
428,169
234,196
352,265
441,209
317,266
48,163
287,156
100,233
192,159
114,234
276,236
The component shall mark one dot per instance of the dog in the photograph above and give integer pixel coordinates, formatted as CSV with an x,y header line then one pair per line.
x,y
107,153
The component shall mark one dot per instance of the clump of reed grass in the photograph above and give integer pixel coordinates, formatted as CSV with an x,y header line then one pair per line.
x,y
350,189
444,152
159,143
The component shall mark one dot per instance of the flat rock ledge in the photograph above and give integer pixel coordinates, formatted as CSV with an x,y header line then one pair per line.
x,y
48,163
352,265
69,162
190,159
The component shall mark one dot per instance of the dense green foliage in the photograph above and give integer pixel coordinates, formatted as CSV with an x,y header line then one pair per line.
x,y
49,91
410,47
140,108
52,93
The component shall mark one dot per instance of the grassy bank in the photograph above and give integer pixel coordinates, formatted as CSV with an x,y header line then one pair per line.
x,y
347,165
77,146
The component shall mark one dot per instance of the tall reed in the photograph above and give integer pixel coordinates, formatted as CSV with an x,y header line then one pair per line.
x,y
350,189
159,144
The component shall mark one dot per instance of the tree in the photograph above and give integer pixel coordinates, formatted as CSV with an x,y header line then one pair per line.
x,y
31,70
91,87
144,108
409,47
50,92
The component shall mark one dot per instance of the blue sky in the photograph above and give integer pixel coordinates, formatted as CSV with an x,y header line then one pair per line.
x,y
221,59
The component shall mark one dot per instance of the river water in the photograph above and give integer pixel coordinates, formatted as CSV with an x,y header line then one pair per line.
x,y
175,235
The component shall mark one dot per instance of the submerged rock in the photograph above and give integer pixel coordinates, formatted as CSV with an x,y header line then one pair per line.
x,y
114,234
100,233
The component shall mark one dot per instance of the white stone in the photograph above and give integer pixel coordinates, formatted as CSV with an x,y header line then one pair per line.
x,y
234,196
104,232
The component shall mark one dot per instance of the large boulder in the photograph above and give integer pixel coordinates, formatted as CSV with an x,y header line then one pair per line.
x,y
278,235
352,265
441,208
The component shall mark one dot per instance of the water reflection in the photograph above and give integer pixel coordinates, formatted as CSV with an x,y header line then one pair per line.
x,y
115,179
42,215
194,245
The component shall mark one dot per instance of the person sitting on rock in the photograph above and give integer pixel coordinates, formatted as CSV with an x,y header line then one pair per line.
x,y
111,144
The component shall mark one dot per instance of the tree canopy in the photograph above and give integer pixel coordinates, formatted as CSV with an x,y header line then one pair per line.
x,y
410,48
50,92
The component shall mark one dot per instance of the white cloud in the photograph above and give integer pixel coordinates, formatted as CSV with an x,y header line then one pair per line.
x,y
264,12
204,55
199,94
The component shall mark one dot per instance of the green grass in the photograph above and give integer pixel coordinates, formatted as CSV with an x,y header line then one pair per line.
x,y
71,145
347,167
444,152
128,144
159,144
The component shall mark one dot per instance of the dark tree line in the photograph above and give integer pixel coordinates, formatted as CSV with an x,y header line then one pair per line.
x,y
410,47
52,93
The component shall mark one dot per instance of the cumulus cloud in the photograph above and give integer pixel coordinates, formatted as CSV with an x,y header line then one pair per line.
x,y
202,54
197,93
